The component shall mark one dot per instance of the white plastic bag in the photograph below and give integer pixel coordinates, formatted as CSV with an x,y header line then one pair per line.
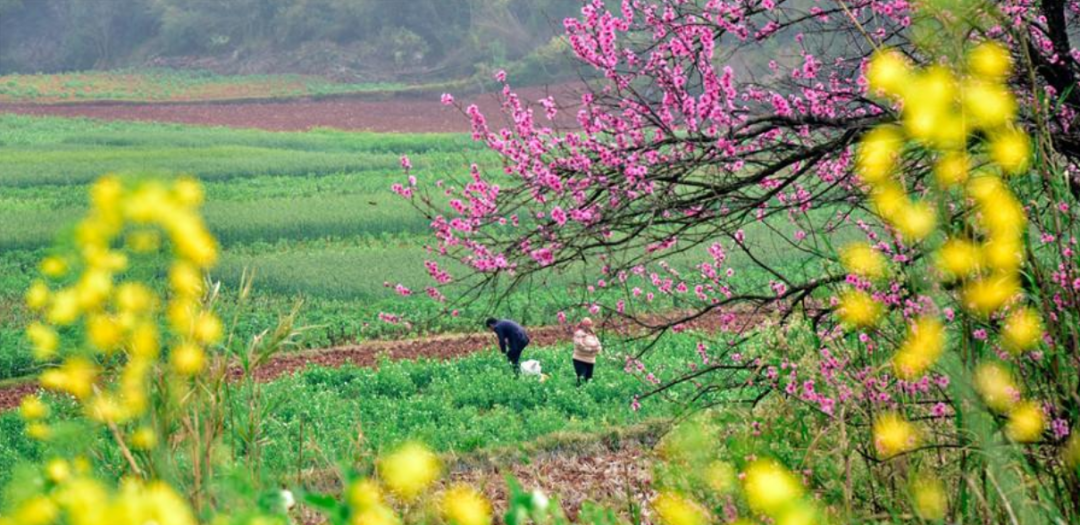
x,y
531,368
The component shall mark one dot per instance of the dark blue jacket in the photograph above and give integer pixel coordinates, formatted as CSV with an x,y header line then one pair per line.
x,y
511,335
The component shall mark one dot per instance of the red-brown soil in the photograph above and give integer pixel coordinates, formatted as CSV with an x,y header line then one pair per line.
x,y
437,347
412,113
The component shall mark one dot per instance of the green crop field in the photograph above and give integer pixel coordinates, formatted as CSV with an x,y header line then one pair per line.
x,y
310,213
456,406
165,85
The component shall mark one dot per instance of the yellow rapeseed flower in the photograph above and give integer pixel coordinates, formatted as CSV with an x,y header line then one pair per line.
x,y
37,296
989,105
922,347
145,341
363,493
1026,422
53,267
192,241
75,376
38,431
888,72
44,339
894,435
104,332
952,169
988,294
928,497
144,438
990,60
915,221
377,515
863,260
1071,453
64,309
188,192
770,488
461,505
207,329
1022,330
889,200
32,408
1011,150
674,509
996,386
187,359
409,470
186,279
1003,253
876,156
135,297
106,192
857,309
958,258
57,470
38,510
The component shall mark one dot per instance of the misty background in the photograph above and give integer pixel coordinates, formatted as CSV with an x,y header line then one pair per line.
x,y
346,40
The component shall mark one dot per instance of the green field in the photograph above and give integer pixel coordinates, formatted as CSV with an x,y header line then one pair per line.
x,y
456,407
310,213
167,85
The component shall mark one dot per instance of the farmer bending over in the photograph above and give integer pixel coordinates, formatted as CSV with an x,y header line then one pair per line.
x,y
512,339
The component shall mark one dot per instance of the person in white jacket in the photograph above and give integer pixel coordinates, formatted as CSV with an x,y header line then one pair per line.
x,y
586,348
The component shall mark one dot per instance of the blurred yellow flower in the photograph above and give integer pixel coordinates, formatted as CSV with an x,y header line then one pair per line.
x,y
888,72
894,435
53,266
958,258
37,296
409,470
186,279
44,339
188,359
144,438
65,308
922,347
915,221
104,332
990,60
208,329
1010,149
461,505
363,493
674,509
770,488
188,192
952,169
863,260
33,408
376,515
857,309
988,104
1026,422
75,376
989,294
1022,330
928,497
38,510
996,386
1003,253
876,156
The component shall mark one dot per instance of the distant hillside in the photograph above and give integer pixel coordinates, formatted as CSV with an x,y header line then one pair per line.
x,y
346,40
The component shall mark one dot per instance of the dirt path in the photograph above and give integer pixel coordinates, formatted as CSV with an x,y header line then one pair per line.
x,y
412,113
367,354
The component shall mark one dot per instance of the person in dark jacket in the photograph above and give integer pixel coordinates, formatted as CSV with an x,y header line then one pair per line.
x,y
512,339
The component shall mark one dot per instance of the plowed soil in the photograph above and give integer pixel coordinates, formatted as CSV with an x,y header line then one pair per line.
x,y
411,114
437,347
